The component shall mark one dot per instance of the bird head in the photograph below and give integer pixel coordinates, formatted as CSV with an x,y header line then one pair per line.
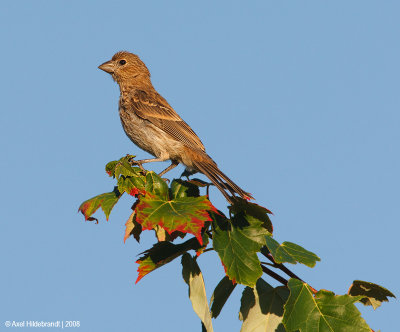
x,y
125,66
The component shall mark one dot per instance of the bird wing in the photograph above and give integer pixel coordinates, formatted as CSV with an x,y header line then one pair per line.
x,y
156,110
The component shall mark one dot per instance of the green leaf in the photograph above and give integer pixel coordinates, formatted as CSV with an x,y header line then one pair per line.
x,y
105,201
372,294
187,214
123,167
180,188
243,208
156,185
197,292
322,312
289,252
162,253
110,167
262,308
206,240
132,185
221,294
237,244
109,201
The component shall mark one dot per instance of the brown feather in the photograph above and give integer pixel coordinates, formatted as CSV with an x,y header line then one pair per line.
x,y
156,110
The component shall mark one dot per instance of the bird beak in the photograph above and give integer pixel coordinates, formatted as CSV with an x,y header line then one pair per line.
x,y
108,67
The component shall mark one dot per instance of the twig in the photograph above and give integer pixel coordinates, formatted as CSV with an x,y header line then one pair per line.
x,y
283,268
274,275
269,264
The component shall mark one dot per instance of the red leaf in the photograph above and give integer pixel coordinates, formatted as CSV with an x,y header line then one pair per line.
x,y
88,208
184,214
145,267
162,253
134,191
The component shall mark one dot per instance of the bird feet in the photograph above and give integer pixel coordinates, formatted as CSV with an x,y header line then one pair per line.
x,y
137,163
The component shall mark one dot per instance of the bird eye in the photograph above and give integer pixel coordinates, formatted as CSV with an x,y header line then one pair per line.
x,y
122,62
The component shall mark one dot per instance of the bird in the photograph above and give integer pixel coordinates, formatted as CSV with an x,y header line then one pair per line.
x,y
154,126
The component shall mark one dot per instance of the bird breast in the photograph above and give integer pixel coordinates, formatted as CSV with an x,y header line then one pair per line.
x,y
150,138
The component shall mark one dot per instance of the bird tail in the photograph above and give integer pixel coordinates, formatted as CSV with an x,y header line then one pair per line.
x,y
209,168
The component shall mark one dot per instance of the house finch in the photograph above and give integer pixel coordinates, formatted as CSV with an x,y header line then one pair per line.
x,y
153,125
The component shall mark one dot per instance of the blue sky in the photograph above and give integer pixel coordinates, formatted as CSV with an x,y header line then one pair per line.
x,y
298,102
